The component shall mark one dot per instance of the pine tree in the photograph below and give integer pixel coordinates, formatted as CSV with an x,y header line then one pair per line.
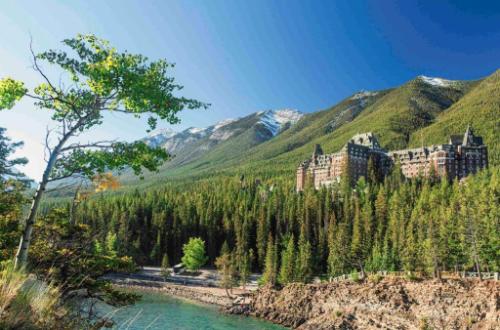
x,y
271,264
262,233
304,264
287,269
339,250
226,269
111,244
358,244
380,215
156,251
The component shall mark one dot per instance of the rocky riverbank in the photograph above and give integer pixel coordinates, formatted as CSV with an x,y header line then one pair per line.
x,y
207,295
391,303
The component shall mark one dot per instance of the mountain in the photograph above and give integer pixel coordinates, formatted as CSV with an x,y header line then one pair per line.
x,y
188,145
272,143
479,108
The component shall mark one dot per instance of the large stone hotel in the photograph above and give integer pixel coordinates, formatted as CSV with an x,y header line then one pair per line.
x,y
461,156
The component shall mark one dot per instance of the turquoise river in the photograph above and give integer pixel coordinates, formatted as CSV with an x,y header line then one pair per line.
x,y
157,311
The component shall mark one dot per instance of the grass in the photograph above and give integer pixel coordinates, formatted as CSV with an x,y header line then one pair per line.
x,y
28,303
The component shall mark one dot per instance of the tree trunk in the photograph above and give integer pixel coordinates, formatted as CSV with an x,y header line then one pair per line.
x,y
24,244
478,268
362,269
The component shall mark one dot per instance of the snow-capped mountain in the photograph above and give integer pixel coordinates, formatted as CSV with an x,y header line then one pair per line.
x,y
192,142
276,120
438,82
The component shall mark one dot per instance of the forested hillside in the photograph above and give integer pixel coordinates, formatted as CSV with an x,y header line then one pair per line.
x,y
242,193
422,225
480,108
421,111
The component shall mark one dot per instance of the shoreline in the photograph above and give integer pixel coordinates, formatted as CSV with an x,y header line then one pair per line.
x,y
202,294
387,303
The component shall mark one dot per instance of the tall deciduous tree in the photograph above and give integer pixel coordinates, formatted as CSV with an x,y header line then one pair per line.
x,y
101,79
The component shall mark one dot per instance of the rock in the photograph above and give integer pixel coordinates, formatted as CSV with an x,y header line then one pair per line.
x,y
392,303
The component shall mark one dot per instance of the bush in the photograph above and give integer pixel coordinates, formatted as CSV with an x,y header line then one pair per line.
x,y
355,277
410,276
375,278
194,254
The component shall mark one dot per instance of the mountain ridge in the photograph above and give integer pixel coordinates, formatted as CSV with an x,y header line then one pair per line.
x,y
375,111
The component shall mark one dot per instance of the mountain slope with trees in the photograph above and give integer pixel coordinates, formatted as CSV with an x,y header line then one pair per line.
x,y
421,111
479,108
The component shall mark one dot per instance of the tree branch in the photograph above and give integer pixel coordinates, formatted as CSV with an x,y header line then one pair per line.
x,y
37,67
47,150
98,144
69,175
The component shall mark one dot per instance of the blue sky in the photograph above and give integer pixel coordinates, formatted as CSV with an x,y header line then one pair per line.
x,y
246,56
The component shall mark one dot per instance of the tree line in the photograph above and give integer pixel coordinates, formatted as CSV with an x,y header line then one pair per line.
x,y
424,225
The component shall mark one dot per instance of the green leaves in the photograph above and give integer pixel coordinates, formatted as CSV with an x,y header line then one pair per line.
x,y
102,79
10,92
115,157
194,254
119,81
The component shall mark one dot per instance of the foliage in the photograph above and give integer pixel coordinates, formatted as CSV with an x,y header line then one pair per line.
x,y
226,269
287,269
101,80
9,167
271,264
382,227
10,92
194,254
12,187
71,256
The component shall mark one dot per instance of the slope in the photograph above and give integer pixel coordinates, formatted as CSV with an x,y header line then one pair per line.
x,y
480,108
377,112
377,117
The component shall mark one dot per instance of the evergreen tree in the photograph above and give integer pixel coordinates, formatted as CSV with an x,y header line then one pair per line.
x,y
156,251
358,242
271,264
339,250
111,244
304,261
287,269
226,269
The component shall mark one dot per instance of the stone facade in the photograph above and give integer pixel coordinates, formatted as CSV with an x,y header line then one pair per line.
x,y
461,156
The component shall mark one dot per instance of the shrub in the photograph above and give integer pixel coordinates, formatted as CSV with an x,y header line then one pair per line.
x,y
194,254
355,277
375,278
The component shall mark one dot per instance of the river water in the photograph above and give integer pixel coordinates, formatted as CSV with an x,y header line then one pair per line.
x,y
157,311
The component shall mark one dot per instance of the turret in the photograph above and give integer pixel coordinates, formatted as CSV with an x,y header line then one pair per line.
x,y
317,151
468,137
